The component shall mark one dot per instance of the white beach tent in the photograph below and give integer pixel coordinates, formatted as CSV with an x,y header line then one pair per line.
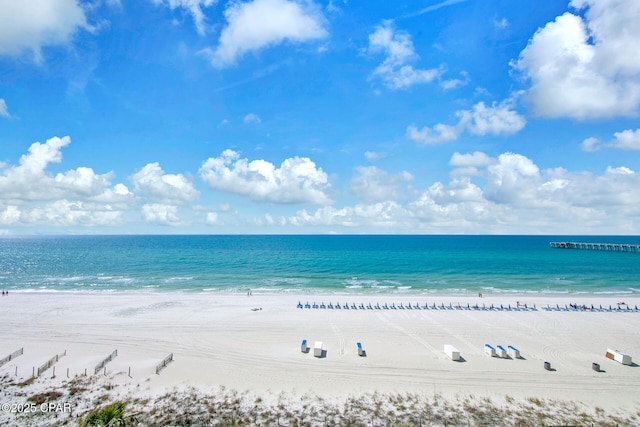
x,y
452,352
317,349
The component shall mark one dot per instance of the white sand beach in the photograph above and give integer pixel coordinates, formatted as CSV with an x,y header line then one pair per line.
x,y
218,340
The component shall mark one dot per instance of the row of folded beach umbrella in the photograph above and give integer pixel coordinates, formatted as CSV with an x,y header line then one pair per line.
x,y
416,306
483,307
575,307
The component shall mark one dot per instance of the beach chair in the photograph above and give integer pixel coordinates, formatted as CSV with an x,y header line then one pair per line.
x,y
501,352
489,350
338,306
385,306
307,305
304,347
353,306
433,306
417,306
393,305
299,304
369,307
377,306
401,306
330,305
345,306
361,306
361,352
322,305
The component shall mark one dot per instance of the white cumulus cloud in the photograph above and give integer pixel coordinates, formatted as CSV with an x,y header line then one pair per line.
x,y
4,110
62,213
585,67
257,24
252,118
372,184
152,180
474,159
504,194
297,180
497,119
30,180
29,25
625,140
194,8
396,72
31,195
159,213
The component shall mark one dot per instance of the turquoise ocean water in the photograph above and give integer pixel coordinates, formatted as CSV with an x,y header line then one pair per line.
x,y
310,264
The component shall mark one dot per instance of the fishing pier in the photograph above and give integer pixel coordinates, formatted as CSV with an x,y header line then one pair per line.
x,y
610,247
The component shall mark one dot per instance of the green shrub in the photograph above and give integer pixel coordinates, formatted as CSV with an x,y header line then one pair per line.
x,y
109,416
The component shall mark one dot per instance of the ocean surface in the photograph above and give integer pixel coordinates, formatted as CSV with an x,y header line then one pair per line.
x,y
417,265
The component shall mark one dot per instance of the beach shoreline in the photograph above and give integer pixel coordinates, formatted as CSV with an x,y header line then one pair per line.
x,y
253,343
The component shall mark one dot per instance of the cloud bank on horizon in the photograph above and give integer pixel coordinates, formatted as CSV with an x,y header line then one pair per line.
x,y
292,116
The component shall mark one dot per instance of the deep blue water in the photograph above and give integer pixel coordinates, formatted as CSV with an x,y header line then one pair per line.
x,y
339,264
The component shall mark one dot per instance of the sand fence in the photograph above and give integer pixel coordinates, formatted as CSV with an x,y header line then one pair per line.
x,y
164,363
12,356
106,360
49,363
73,364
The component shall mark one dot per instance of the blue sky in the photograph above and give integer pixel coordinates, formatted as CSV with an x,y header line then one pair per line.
x,y
290,116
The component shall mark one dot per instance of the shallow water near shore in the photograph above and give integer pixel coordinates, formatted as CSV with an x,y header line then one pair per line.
x,y
420,265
